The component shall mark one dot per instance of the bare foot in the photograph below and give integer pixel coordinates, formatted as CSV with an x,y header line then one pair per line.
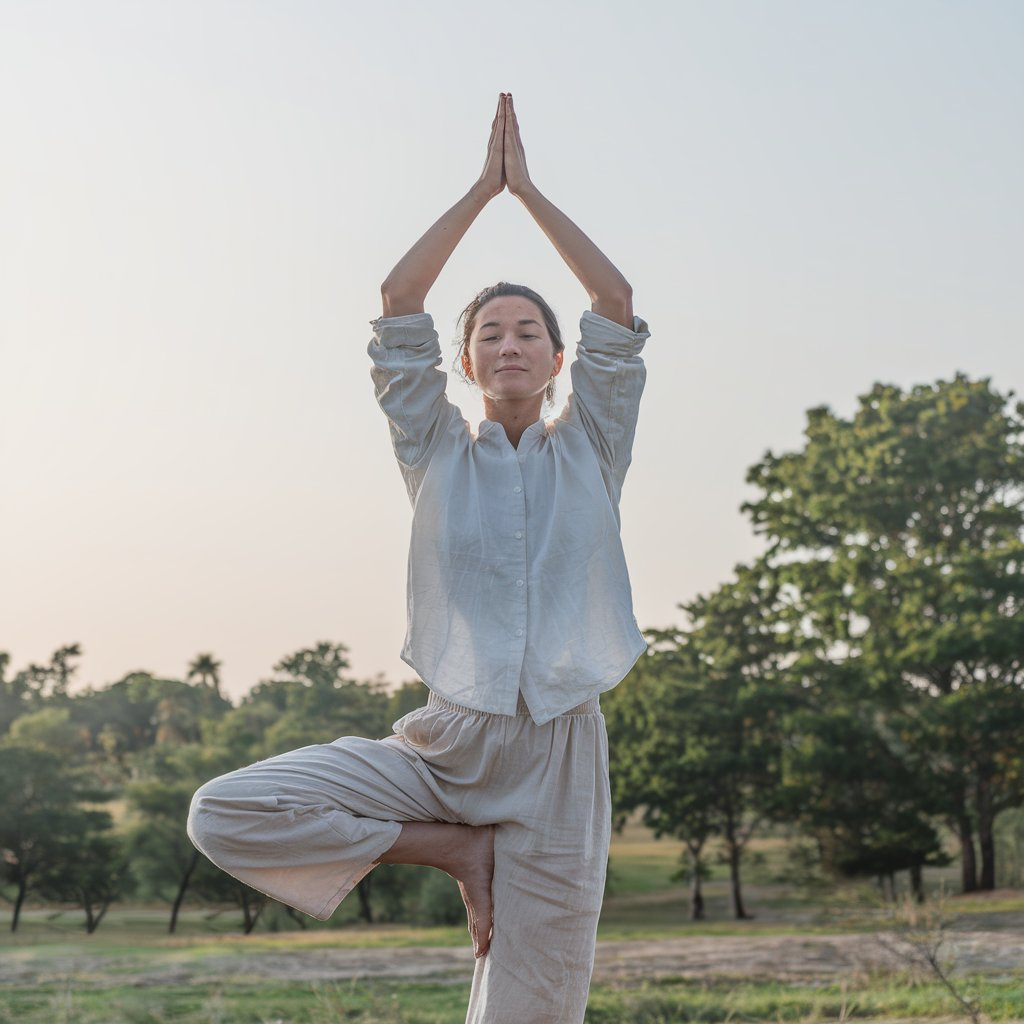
x,y
466,852
474,878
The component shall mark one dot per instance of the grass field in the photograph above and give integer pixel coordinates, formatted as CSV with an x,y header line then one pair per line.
x,y
411,1003
132,972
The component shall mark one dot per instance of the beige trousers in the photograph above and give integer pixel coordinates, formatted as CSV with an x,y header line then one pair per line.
x,y
304,827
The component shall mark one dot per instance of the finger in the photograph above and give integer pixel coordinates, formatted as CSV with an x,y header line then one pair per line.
x,y
498,127
513,118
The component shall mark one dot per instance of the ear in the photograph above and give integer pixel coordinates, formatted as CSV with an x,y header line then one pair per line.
x,y
558,363
467,365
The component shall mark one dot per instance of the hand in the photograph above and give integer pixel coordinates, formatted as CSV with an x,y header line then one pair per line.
x,y
492,177
516,173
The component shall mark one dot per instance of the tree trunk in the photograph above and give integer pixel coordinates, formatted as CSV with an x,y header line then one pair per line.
x,y
735,889
249,917
104,907
182,888
90,924
296,917
22,889
968,863
917,883
363,889
986,838
696,890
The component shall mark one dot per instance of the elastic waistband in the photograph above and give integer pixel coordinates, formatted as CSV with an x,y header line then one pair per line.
x,y
589,707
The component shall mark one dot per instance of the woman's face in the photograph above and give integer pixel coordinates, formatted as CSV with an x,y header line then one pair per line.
x,y
511,355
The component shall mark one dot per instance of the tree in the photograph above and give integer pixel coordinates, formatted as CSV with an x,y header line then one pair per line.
x,y
647,733
697,729
141,711
206,669
35,686
11,704
901,533
90,873
312,699
843,783
50,728
42,818
163,860
405,698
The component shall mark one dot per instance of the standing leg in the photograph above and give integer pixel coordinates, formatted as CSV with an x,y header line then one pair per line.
x,y
549,868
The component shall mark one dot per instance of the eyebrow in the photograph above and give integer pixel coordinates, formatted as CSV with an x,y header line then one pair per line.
x,y
521,323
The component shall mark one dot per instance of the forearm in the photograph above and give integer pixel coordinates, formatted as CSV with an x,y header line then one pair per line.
x,y
406,287
610,293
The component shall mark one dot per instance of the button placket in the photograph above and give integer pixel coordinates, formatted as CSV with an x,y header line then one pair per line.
x,y
517,627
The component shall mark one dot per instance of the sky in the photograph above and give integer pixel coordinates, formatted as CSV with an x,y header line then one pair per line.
x,y
199,200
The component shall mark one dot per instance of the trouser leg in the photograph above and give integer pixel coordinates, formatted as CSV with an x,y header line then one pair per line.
x,y
549,871
304,827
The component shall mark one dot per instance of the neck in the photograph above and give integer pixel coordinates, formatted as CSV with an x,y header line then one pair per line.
x,y
515,416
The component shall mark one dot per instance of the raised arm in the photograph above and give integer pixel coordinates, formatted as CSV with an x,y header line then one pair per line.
x,y
610,293
406,287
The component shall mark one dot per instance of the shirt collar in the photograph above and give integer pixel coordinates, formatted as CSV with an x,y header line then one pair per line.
x,y
495,434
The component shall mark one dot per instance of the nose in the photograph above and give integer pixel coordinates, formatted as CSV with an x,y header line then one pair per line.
x,y
509,345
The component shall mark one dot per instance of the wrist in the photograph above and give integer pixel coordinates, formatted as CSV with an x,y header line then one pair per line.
x,y
482,193
525,192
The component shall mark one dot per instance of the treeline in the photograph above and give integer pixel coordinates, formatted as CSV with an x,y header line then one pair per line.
x,y
861,684
863,681
95,785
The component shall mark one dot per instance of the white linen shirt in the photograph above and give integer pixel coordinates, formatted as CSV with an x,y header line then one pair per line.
x,y
517,582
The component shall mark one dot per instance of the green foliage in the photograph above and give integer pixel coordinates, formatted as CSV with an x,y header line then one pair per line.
x,y
164,863
696,727
49,728
309,700
36,685
142,711
90,874
1010,845
897,540
405,698
45,820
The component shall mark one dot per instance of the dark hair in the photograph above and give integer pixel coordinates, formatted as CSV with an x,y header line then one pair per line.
x,y
503,289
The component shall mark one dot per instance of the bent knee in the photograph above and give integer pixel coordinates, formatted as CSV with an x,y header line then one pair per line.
x,y
223,814
203,815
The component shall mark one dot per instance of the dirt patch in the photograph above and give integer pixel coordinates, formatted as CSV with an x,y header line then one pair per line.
x,y
784,957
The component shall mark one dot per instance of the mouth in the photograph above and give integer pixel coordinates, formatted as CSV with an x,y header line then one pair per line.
x,y
504,369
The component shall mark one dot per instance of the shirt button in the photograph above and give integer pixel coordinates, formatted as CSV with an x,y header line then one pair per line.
x,y
519,583
517,490
519,632
519,534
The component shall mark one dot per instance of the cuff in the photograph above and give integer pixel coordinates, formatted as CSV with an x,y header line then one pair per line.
x,y
598,334
409,331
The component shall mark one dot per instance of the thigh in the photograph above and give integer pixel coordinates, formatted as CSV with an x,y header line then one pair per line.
x,y
379,779
305,826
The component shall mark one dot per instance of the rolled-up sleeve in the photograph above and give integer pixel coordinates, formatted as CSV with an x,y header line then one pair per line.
x,y
410,388
608,378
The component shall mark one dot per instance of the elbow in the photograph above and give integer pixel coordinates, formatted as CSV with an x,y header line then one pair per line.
x,y
616,304
397,300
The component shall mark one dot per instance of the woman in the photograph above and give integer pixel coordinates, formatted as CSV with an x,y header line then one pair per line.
x,y
519,616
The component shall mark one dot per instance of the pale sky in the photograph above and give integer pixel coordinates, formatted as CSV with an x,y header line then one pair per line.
x,y
199,200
